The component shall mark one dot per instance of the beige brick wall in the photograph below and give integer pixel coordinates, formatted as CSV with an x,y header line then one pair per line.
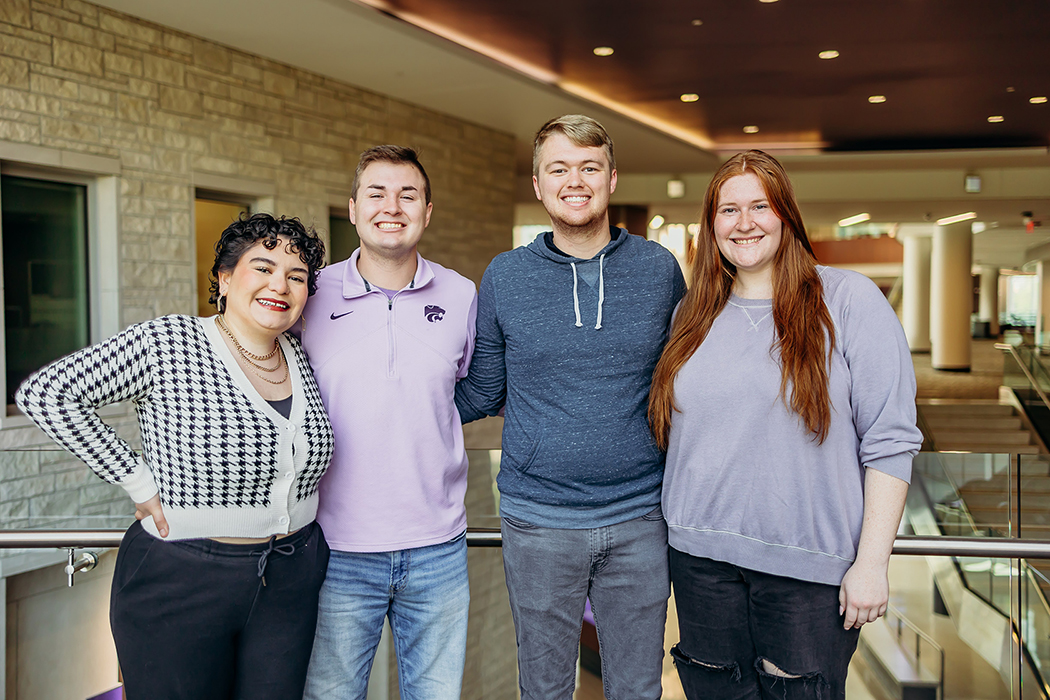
x,y
78,77
172,108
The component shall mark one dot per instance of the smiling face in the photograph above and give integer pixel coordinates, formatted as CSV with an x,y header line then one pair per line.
x,y
747,231
390,210
266,291
574,183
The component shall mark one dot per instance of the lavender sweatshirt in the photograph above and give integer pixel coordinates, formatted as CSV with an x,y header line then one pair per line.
x,y
744,482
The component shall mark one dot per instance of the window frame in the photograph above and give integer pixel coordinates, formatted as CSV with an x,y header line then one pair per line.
x,y
101,176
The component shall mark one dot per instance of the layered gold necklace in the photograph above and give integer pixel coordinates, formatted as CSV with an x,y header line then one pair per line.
x,y
252,361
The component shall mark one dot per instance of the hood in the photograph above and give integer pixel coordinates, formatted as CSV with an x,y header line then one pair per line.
x,y
543,245
540,247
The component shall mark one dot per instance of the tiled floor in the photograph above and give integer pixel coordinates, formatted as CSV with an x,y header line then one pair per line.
x,y
967,675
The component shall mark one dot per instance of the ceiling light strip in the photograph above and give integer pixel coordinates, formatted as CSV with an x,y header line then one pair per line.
x,y
958,218
855,219
690,137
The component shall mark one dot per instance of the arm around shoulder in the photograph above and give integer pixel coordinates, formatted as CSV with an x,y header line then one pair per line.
x,y
483,391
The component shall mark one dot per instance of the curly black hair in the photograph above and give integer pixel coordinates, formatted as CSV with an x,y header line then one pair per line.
x,y
264,228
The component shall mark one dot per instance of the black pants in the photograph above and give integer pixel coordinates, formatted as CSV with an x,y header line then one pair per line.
x,y
732,619
193,620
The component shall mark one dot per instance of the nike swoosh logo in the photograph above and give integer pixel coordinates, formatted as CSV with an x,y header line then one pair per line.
x,y
334,316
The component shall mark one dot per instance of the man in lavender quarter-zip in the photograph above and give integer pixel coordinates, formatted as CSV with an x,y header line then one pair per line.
x,y
388,335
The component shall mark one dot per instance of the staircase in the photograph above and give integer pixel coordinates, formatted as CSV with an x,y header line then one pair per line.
x,y
994,428
977,426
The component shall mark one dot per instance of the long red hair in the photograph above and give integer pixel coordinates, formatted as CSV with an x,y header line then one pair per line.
x,y
804,331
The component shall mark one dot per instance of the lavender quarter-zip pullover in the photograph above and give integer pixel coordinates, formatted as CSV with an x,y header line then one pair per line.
x,y
387,370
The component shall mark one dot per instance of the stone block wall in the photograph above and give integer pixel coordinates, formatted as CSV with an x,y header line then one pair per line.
x,y
78,77
176,110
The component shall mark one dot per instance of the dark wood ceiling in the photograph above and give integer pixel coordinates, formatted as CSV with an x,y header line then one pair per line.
x,y
944,66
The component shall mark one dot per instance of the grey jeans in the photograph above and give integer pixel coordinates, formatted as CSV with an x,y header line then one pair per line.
x,y
550,574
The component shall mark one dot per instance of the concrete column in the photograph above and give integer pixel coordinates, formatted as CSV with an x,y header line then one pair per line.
x,y
1042,319
951,297
988,302
915,291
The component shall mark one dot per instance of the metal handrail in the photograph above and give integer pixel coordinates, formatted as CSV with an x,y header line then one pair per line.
x,y
1006,347
997,547
892,611
110,538
994,547
1040,574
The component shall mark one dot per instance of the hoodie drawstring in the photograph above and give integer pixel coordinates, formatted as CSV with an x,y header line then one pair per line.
x,y
575,296
601,292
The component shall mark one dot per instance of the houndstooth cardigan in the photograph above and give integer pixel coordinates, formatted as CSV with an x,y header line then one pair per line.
x,y
225,463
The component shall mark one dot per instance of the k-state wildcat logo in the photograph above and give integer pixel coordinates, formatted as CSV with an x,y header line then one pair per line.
x,y
433,313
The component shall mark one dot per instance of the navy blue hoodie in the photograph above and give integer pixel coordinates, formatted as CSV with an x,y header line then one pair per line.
x,y
569,346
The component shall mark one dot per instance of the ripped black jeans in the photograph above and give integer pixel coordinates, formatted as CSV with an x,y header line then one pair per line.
x,y
740,627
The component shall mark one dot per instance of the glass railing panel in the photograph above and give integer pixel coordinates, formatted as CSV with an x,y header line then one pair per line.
x,y
482,499
1026,372
49,489
1013,374
1033,496
966,491
1034,614
1036,363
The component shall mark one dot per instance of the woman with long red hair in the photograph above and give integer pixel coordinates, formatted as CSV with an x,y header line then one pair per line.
x,y
785,398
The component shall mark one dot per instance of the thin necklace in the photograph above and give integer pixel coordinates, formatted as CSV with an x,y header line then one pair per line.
x,y
240,348
281,362
253,367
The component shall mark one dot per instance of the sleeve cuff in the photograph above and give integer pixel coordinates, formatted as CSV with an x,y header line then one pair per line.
x,y
140,484
895,465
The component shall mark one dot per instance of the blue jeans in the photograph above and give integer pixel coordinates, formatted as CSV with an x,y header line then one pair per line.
x,y
425,593
550,575
731,620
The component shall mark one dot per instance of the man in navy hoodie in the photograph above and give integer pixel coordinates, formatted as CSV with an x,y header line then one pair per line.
x,y
569,330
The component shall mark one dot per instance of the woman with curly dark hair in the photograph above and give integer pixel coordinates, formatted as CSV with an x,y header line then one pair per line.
x,y
216,584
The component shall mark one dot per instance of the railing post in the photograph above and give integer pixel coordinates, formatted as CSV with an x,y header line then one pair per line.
x,y
86,562
1013,506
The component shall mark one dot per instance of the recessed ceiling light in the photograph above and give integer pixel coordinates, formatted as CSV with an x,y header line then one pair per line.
x,y
766,2
855,219
995,118
603,51
697,22
829,54
1041,99
877,99
957,218
689,97
751,129
1009,89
